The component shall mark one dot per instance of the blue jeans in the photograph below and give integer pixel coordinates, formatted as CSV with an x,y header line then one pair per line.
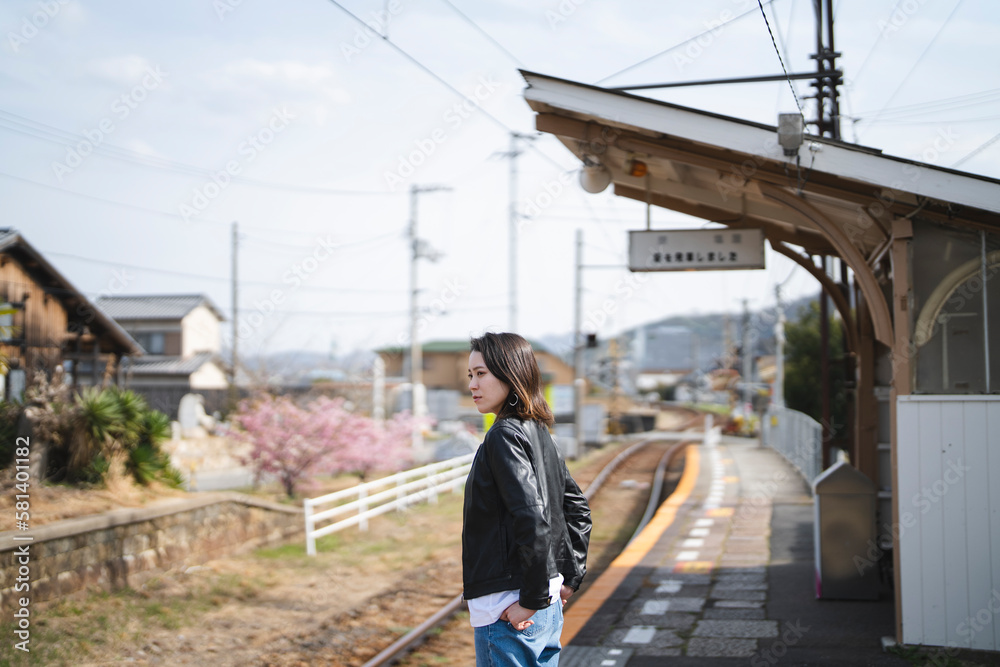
x,y
500,645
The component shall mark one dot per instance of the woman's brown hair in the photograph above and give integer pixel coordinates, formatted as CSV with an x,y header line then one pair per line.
x,y
510,358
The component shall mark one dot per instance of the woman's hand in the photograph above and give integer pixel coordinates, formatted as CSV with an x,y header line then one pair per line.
x,y
565,592
518,617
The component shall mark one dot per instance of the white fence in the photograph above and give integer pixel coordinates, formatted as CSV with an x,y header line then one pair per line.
x,y
796,436
365,500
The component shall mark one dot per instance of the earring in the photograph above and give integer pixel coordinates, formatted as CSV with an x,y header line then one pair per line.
x,y
515,401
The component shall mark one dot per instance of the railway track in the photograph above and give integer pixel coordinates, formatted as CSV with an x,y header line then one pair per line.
x,y
417,635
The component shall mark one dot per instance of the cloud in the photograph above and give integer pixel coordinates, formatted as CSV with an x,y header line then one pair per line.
x,y
123,70
311,88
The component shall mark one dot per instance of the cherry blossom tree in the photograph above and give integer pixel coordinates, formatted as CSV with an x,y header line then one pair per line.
x,y
383,447
294,443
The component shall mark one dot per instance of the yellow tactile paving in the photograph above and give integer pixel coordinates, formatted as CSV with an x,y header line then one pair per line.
x,y
611,578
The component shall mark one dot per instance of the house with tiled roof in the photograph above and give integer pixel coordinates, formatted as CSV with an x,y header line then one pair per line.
x,y
446,374
47,322
182,339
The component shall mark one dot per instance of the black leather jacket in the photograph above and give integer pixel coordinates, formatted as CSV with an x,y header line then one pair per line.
x,y
525,519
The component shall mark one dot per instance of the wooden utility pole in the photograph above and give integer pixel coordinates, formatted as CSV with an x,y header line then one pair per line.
x,y
417,250
233,390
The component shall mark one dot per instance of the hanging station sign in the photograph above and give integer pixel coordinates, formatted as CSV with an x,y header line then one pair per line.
x,y
695,249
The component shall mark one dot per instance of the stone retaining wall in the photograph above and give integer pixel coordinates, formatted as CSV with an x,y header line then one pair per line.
x,y
126,547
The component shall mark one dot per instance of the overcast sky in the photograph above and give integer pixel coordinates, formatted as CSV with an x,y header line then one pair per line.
x,y
114,116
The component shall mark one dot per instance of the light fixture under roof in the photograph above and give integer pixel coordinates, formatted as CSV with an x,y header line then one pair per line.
x,y
594,177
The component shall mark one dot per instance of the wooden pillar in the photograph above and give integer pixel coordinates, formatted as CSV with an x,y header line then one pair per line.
x,y
865,454
902,370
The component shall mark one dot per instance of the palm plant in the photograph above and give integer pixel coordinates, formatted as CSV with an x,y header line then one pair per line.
x,y
116,432
95,426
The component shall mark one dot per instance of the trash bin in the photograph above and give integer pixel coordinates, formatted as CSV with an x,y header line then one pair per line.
x,y
844,500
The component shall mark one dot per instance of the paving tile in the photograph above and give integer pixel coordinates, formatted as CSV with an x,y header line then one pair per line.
x,y
721,648
713,628
716,614
669,587
669,620
594,656
756,569
729,585
741,578
737,604
656,652
733,594
638,636
687,578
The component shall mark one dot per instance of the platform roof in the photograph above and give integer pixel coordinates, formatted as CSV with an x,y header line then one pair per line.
x,y
828,198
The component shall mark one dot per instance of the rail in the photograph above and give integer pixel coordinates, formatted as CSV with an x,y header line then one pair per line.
x,y
407,488
797,437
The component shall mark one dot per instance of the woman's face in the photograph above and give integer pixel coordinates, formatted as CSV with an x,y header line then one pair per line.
x,y
488,391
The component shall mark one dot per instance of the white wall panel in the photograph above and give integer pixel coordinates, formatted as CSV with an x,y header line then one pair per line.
x,y
948,455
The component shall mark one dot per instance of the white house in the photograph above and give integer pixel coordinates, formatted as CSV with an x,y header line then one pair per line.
x,y
181,335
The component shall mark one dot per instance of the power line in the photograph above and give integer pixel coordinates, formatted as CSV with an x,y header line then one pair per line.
x,y
61,137
868,56
916,62
167,214
782,61
936,121
936,106
781,37
427,70
224,279
679,44
483,32
976,151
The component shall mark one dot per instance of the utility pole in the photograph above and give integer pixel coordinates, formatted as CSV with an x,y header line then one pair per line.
x,y
418,249
513,219
778,399
233,390
579,383
378,390
727,342
747,356
828,77
616,389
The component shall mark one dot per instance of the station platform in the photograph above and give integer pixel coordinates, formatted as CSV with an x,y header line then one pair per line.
x,y
724,575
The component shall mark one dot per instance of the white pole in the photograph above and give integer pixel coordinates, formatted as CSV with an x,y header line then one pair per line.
x,y
378,389
310,539
579,384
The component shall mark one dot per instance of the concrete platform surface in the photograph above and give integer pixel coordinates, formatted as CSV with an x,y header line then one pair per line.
x,y
731,581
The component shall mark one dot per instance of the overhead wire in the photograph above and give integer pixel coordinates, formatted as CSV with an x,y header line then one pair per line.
x,y
166,214
936,106
781,37
61,137
916,63
864,63
213,278
976,151
714,28
782,61
485,34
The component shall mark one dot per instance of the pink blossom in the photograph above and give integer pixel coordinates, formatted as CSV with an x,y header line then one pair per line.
x,y
295,443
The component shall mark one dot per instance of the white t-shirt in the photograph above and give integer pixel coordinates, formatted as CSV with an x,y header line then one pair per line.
x,y
486,609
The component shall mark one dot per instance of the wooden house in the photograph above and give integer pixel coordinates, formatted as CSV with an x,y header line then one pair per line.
x,y
48,322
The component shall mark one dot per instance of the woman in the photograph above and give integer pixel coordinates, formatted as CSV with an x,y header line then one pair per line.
x,y
526,525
